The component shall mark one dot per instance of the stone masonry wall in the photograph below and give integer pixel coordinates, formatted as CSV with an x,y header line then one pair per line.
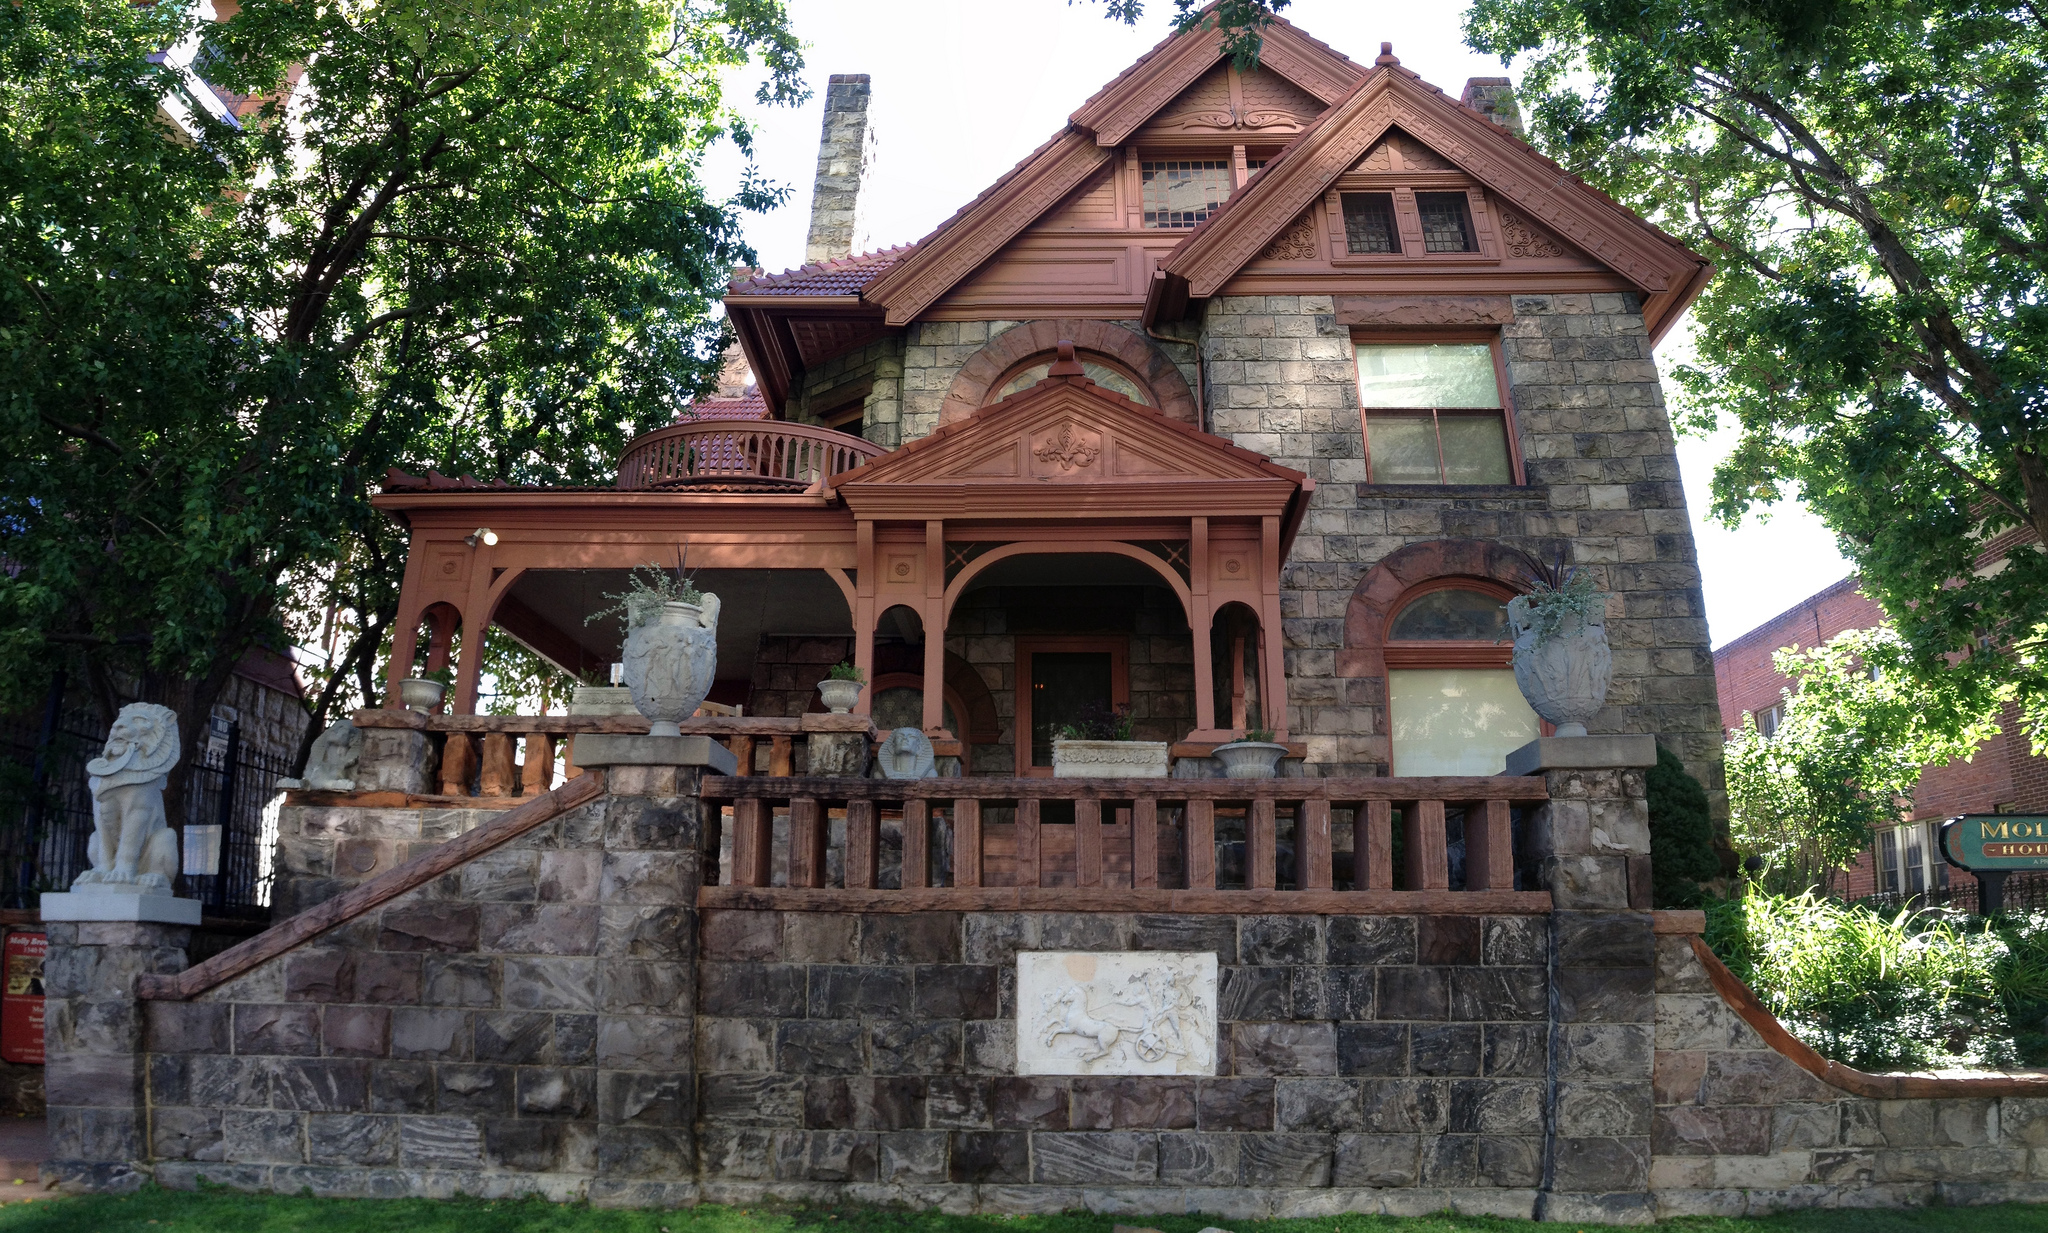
x,y
1741,1129
878,363
1602,482
521,1025
935,350
1367,1063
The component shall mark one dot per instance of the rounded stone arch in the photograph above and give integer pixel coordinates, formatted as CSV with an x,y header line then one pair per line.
x,y
1402,573
1127,348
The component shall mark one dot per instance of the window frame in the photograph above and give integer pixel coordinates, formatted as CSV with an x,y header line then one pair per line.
x,y
1444,653
1403,187
1394,338
1028,645
1081,354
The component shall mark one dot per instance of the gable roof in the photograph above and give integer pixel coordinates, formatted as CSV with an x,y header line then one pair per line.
x,y
840,276
978,229
1395,97
1068,448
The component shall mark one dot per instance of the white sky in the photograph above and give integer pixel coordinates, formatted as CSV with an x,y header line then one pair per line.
x,y
962,91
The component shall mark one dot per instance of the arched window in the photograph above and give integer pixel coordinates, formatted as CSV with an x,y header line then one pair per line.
x,y
1097,368
1453,706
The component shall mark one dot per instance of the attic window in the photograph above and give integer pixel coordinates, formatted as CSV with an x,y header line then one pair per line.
x,y
1369,223
1182,192
1446,222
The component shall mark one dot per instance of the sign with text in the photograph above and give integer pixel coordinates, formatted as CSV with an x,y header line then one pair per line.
x,y
21,1000
1996,842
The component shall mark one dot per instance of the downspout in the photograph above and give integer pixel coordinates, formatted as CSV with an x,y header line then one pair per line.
x,y
1167,297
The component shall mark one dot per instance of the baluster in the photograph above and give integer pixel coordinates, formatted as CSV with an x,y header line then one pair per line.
x,y
458,760
967,842
1489,847
1426,853
1201,839
742,748
1261,836
753,842
917,838
1145,843
1088,842
537,773
782,756
1027,841
861,848
1312,860
1372,846
807,835
496,779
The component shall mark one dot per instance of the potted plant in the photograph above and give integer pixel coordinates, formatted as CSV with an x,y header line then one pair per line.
x,y
841,687
1257,756
423,693
1562,661
1098,745
671,651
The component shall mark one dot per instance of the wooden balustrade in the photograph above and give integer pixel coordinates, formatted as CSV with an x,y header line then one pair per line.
x,y
1203,845
477,752
795,454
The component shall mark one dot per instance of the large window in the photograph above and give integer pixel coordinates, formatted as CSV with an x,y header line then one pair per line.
x,y
1452,703
1909,860
1179,193
1432,414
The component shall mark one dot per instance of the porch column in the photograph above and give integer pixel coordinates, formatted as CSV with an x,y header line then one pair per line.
x,y
1273,657
864,613
406,628
934,625
476,620
1202,616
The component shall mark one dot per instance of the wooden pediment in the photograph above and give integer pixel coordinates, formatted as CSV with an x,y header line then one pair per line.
x,y
1066,447
1396,124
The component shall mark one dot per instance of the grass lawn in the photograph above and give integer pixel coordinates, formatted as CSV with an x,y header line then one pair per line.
x,y
163,1211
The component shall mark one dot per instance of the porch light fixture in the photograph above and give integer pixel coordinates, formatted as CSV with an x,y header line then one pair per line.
x,y
482,535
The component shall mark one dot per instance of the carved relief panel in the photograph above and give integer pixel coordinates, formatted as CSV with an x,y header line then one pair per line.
x,y
1116,1013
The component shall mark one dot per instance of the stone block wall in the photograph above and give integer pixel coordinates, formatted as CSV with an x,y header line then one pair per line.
x,y
520,1025
323,850
1742,1129
1367,1063
879,366
1603,483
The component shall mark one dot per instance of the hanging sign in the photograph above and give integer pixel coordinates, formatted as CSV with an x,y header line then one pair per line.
x,y
21,1000
1996,842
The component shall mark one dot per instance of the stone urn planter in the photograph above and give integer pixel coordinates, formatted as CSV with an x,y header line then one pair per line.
x,y
1563,673
420,694
839,694
1250,759
1080,759
670,658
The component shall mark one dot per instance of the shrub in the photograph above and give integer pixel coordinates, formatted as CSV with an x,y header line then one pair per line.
x,y
1681,834
1907,991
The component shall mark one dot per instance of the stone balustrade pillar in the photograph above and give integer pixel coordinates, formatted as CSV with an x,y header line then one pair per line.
x,y
96,1068
1591,842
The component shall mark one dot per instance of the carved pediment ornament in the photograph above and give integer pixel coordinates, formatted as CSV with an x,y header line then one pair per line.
x,y
1523,239
1069,449
1297,243
1266,119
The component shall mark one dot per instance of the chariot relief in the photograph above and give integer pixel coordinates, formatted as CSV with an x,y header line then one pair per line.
x,y
1122,1013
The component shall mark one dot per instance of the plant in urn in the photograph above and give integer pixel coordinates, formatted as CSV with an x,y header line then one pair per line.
x,y
1562,661
671,649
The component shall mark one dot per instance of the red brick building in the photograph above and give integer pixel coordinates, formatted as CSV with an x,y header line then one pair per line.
x,y
2003,777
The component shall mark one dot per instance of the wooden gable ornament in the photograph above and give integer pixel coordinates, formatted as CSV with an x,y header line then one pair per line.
x,y
1396,111
1068,448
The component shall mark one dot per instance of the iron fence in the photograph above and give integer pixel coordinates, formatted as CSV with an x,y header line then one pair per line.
x,y
2024,893
46,816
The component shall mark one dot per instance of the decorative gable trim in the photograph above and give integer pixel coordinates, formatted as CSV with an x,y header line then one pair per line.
x,y
1393,98
1168,69
978,232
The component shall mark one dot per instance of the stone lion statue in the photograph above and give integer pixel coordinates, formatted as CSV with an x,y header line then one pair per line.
x,y
132,845
331,767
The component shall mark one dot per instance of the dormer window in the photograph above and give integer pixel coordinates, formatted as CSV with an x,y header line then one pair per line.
x,y
1369,223
1180,193
1446,222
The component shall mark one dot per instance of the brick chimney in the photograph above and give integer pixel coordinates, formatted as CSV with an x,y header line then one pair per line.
x,y
845,150
1492,97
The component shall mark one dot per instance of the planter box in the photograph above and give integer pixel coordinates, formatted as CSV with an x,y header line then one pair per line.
x,y
1108,759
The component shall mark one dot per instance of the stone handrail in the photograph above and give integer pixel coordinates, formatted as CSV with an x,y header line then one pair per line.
x,y
796,454
1140,803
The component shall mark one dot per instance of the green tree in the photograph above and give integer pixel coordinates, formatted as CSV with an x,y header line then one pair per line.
x,y
1845,758
1681,834
1872,178
472,237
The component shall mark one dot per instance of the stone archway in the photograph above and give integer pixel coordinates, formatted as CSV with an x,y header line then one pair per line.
x,y
1399,572
1132,350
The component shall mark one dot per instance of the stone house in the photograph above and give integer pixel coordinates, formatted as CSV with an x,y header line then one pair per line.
x,y
1346,354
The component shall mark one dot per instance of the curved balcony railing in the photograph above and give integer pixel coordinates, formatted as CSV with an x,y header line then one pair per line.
x,y
795,454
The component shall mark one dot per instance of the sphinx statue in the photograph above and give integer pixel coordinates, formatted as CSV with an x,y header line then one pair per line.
x,y
132,848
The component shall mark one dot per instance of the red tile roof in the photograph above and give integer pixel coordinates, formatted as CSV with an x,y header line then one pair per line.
x,y
840,276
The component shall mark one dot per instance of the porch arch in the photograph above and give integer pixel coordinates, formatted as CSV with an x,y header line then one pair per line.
x,y
958,586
